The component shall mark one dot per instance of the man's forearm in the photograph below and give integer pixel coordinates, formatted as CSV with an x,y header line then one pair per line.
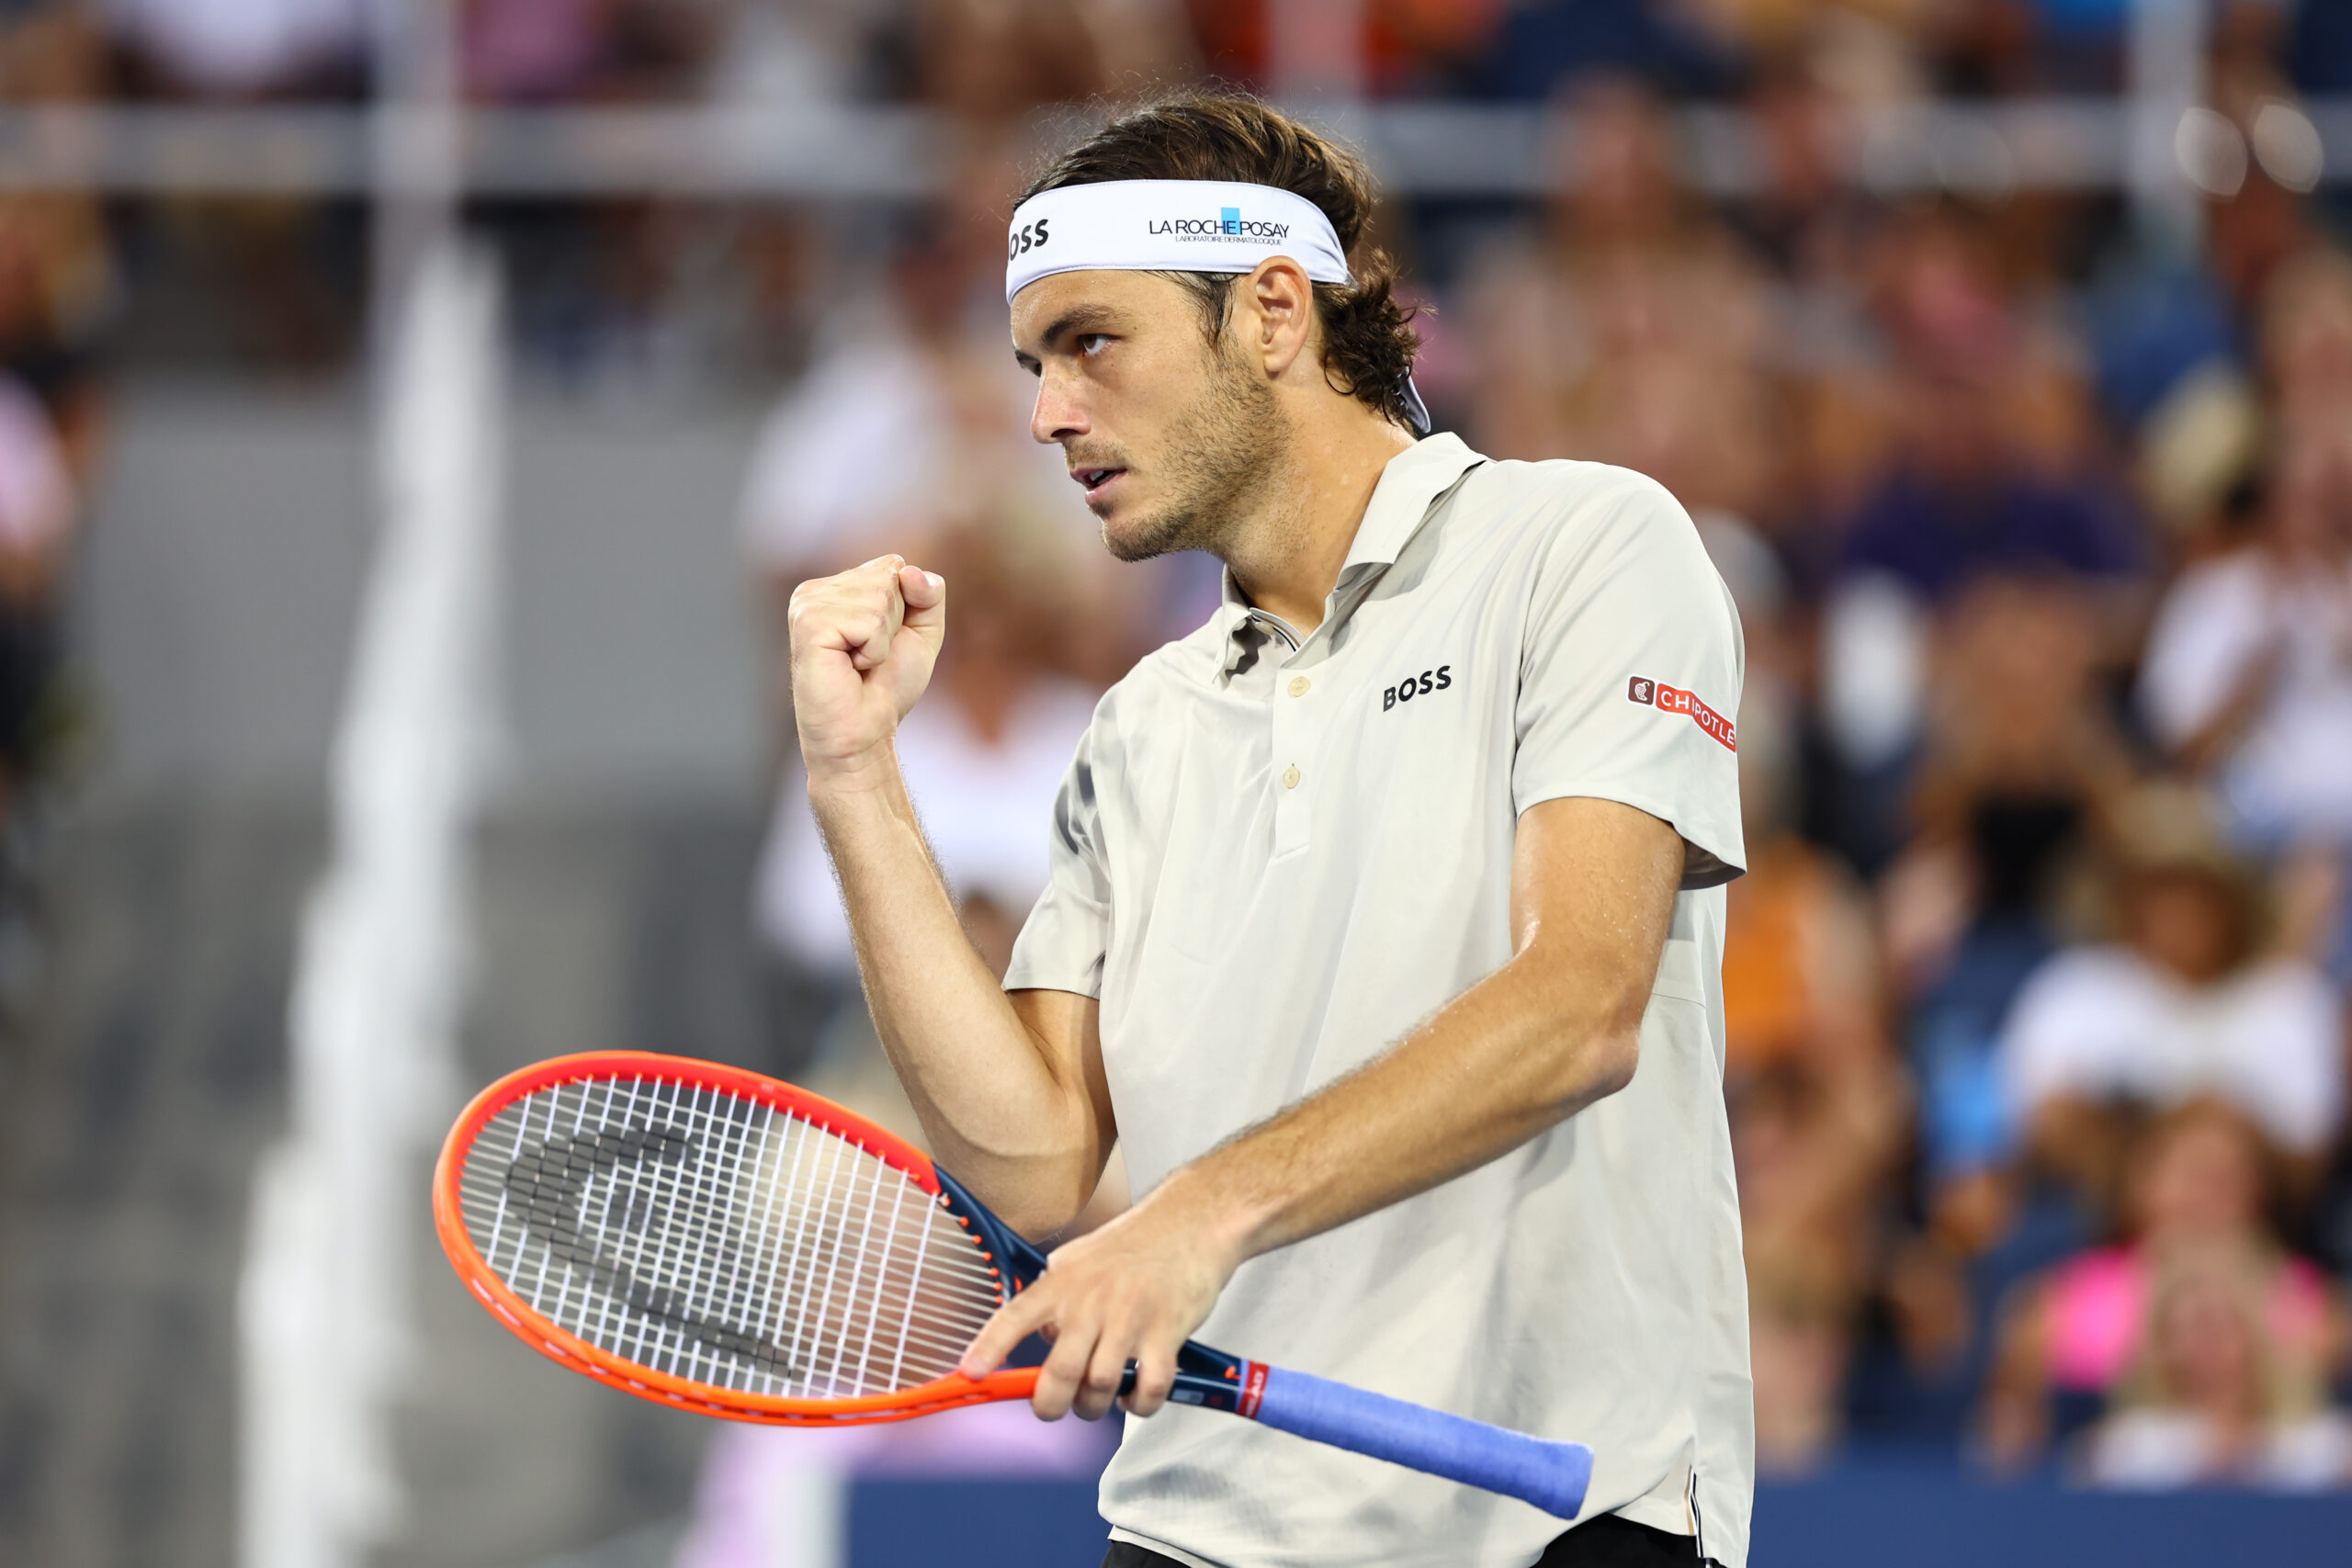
x,y
999,1110
1552,1030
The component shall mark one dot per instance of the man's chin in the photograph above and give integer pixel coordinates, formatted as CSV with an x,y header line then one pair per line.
x,y
1126,536
1131,533
1129,540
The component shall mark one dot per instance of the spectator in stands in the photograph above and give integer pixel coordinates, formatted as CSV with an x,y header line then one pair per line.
x,y
39,510
2019,764
595,281
1989,469
1544,43
286,263
1800,217
59,293
2307,337
990,62
2185,1001
60,289
1987,472
2210,1346
1631,328
1817,1105
2212,1398
2249,672
57,290
242,49
582,51
1389,48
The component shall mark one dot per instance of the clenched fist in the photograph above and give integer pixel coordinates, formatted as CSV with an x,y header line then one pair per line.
x,y
863,647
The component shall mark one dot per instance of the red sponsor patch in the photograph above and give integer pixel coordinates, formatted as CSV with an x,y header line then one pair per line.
x,y
1253,1388
1674,699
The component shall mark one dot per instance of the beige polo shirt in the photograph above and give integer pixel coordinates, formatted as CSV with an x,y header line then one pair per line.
x,y
1273,855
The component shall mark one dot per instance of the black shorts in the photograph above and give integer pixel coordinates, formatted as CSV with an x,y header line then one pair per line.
x,y
1606,1542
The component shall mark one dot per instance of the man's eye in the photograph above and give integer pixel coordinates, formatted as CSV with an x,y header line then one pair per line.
x,y
1092,342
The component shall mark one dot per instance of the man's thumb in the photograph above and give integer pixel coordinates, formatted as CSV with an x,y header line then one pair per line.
x,y
926,596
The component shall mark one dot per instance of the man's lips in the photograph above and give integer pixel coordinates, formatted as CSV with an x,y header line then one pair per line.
x,y
1096,479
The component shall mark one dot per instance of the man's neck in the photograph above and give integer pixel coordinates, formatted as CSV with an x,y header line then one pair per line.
x,y
1287,557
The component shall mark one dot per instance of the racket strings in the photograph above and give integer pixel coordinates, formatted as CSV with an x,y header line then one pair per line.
x,y
722,1240
688,1205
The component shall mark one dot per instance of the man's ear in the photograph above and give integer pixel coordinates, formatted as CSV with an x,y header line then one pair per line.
x,y
1278,319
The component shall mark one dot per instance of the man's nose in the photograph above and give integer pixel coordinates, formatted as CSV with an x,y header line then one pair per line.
x,y
1057,416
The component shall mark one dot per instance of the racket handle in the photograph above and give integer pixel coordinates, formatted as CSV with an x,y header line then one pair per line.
x,y
1553,1476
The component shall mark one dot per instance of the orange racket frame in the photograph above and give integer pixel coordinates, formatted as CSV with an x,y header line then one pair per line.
x,y
1552,1476
577,1355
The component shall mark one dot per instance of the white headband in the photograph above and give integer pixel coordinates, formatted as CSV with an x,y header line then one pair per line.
x,y
1175,226
1168,226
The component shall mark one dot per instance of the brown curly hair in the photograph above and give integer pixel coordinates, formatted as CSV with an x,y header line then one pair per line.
x,y
1368,340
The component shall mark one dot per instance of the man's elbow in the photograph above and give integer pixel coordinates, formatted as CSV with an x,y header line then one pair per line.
x,y
1598,1052
1606,1064
1039,1219
1041,1201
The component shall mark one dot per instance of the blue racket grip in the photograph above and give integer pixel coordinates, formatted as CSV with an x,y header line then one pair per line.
x,y
1553,1476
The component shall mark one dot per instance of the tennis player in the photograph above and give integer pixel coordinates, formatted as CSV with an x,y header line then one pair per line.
x,y
1385,922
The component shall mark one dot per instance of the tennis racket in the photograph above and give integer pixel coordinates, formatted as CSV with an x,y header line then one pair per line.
x,y
712,1239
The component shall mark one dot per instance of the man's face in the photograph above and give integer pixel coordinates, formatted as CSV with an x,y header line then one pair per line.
x,y
1167,429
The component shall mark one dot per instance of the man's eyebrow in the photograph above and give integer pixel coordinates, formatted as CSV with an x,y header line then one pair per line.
x,y
1079,318
1076,319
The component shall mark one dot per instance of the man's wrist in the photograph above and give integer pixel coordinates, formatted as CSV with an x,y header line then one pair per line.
x,y
1203,1201
871,773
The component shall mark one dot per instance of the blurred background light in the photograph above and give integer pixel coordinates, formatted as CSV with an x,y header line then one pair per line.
x,y
2288,145
2213,151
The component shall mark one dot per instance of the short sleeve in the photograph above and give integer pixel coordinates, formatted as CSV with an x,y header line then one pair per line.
x,y
1062,944
1630,674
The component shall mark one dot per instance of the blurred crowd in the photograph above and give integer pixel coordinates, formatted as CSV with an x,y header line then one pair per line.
x,y
2038,519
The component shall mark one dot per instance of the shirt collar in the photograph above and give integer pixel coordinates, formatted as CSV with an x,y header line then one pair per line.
x,y
1400,501
1399,505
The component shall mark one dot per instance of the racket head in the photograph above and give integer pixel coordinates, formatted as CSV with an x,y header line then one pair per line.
x,y
643,1220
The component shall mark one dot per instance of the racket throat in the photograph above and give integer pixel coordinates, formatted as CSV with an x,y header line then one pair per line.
x,y
1010,1257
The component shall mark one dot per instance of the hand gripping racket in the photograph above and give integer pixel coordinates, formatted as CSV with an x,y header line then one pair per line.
x,y
713,1239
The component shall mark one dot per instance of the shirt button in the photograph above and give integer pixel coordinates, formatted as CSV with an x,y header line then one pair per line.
x,y
1290,776
1298,686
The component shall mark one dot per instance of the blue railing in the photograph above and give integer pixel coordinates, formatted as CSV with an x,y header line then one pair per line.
x,y
1865,1514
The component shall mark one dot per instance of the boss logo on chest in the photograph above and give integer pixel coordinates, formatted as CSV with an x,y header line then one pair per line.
x,y
1420,685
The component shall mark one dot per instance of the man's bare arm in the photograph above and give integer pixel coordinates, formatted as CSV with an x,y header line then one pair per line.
x,y
1557,1027
1010,1089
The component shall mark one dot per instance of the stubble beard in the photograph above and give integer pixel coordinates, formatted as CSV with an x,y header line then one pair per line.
x,y
1226,446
